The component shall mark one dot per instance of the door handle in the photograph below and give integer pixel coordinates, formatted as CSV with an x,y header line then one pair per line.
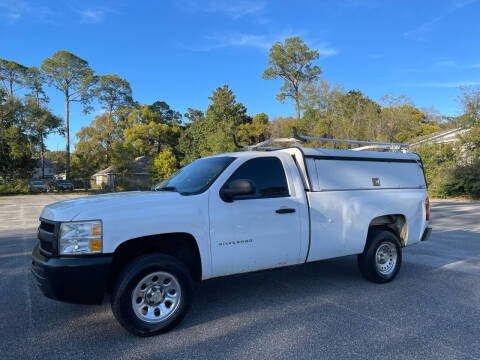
x,y
285,211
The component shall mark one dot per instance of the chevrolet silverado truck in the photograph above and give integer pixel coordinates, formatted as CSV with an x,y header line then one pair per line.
x,y
229,214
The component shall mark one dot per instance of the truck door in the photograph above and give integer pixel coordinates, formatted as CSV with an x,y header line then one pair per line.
x,y
258,231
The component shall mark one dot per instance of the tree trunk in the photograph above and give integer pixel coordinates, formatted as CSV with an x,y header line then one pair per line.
x,y
297,101
297,108
108,139
67,138
42,151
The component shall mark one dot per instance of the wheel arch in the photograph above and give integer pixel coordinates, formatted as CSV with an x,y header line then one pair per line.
x,y
396,223
182,246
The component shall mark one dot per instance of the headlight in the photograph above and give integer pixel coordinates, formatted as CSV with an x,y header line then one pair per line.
x,y
83,237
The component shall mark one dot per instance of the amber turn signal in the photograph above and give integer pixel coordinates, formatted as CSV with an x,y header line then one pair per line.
x,y
95,245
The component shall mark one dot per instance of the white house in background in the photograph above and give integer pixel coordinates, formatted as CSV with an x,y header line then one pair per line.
x,y
139,177
441,137
105,176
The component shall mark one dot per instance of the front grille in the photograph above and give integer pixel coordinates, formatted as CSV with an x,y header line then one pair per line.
x,y
49,227
47,234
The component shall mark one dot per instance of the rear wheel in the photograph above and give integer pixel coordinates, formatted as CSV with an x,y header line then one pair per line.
x,y
152,294
382,257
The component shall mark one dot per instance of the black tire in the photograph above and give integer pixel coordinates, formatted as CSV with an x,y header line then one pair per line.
x,y
367,261
128,280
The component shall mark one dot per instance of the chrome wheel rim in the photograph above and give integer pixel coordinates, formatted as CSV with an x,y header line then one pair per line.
x,y
156,297
386,258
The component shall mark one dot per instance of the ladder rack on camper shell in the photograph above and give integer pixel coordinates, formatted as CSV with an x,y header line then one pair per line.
x,y
298,139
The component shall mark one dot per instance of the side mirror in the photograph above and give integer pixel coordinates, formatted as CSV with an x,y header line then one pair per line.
x,y
237,188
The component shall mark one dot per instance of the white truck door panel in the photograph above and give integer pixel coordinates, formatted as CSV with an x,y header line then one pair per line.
x,y
249,234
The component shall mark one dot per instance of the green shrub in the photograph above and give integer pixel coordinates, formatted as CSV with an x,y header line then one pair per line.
x,y
450,173
163,166
123,187
463,181
17,186
438,160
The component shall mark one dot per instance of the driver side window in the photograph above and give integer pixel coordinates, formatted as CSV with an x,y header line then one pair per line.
x,y
266,173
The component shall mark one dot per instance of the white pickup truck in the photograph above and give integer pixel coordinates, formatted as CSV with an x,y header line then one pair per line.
x,y
230,214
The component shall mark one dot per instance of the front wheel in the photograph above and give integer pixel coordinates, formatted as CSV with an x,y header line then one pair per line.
x,y
152,294
382,257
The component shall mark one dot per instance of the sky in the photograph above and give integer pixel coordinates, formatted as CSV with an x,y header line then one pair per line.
x,y
180,51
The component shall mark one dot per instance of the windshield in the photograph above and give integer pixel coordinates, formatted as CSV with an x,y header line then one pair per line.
x,y
197,176
61,181
37,183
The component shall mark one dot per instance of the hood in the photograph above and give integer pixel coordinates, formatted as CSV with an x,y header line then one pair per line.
x,y
96,205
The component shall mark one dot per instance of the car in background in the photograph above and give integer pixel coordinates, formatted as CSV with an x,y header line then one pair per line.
x,y
62,185
37,186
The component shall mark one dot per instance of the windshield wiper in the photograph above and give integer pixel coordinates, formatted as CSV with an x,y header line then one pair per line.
x,y
167,188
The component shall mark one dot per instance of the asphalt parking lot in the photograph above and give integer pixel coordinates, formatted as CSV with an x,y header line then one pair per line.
x,y
323,310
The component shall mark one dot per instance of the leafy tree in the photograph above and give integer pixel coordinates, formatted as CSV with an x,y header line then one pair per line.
x,y
16,147
122,158
432,115
41,122
396,116
168,115
23,128
113,92
35,81
292,61
333,113
16,154
223,117
129,116
250,132
330,111
355,116
3,96
281,127
143,114
74,78
139,129
164,165
438,160
322,109
97,139
194,115
424,128
83,167
151,138
321,96
212,134
403,122
150,127
193,139
12,76
58,159
470,101
469,148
